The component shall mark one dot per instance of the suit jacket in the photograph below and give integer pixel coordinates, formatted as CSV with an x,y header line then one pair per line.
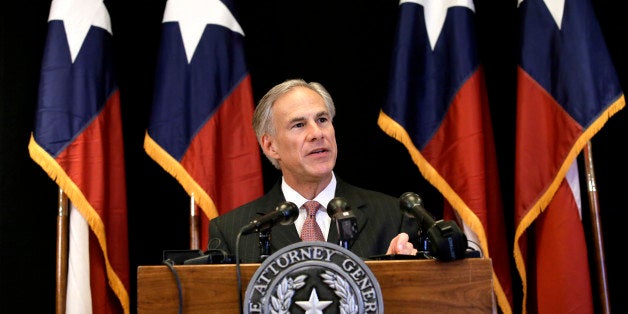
x,y
379,220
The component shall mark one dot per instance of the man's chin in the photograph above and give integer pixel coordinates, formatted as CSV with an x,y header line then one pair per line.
x,y
322,171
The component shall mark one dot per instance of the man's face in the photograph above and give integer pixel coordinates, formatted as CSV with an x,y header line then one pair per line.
x,y
305,140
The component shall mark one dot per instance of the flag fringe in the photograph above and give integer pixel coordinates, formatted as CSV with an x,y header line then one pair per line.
x,y
537,208
174,168
74,193
396,131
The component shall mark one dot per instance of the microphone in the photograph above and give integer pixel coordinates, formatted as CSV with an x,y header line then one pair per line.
x,y
346,223
412,205
285,213
445,239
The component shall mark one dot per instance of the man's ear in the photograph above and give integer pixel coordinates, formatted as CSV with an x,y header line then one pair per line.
x,y
268,146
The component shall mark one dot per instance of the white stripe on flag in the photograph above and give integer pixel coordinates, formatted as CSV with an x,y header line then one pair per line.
x,y
79,296
573,179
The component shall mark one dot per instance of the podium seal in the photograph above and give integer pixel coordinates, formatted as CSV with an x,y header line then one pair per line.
x,y
313,277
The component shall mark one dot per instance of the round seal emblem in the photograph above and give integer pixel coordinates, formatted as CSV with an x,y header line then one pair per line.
x,y
313,277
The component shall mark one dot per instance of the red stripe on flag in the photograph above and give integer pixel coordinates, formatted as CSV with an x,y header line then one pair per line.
x,y
550,251
94,162
224,157
463,153
547,140
561,272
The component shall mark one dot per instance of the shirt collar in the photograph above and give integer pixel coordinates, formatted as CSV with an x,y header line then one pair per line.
x,y
324,197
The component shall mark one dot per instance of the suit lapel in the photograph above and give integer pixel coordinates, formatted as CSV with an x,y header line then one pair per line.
x,y
333,236
283,235
280,235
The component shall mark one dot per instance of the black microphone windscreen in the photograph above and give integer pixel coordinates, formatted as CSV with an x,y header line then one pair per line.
x,y
408,200
285,213
289,212
337,205
412,205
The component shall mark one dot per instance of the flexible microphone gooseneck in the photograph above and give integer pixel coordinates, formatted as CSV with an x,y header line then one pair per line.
x,y
445,239
346,223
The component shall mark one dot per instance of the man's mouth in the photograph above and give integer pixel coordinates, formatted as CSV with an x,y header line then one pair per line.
x,y
317,151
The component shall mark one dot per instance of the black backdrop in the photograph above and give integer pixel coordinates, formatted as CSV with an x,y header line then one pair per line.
x,y
344,45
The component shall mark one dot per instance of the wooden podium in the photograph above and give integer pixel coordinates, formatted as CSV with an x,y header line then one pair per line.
x,y
408,286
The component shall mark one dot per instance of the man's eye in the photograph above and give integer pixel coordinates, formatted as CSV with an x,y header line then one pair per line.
x,y
322,119
298,125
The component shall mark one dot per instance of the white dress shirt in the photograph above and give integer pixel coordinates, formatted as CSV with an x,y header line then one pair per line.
x,y
322,218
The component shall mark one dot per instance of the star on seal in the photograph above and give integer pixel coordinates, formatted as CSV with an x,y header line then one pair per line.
x,y
313,306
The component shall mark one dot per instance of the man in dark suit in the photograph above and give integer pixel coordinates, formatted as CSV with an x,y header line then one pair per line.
x,y
293,125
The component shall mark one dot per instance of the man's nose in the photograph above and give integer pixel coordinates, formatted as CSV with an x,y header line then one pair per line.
x,y
315,131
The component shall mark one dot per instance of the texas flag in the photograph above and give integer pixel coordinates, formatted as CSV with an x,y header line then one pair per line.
x,y
77,140
567,89
437,107
200,129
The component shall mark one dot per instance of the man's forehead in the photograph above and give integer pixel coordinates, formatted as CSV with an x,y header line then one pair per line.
x,y
302,115
301,107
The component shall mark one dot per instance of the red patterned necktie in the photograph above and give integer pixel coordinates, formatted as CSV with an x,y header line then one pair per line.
x,y
311,231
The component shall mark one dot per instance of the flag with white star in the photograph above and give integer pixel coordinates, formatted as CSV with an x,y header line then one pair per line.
x,y
437,107
78,141
200,129
567,89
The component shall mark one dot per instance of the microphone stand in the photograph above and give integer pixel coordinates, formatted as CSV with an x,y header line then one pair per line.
x,y
346,224
344,244
347,227
424,244
264,245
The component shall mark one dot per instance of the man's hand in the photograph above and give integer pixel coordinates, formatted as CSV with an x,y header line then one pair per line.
x,y
400,245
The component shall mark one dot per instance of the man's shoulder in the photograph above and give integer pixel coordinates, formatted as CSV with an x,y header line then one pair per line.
x,y
360,195
345,187
264,204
